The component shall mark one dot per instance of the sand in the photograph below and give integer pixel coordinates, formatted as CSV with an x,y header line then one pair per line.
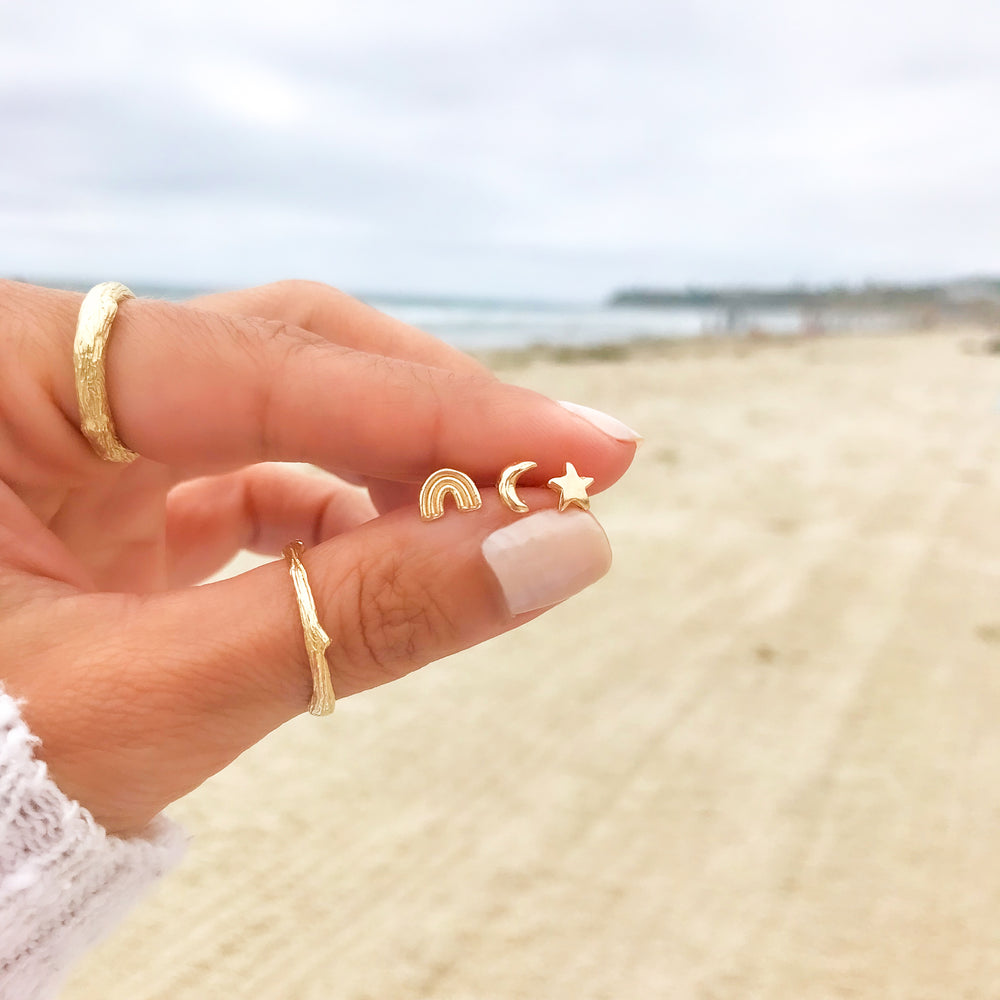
x,y
760,760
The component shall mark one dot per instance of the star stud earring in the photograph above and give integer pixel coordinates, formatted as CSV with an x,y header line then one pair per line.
x,y
572,488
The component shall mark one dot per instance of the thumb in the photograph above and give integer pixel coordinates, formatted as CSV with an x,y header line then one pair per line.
x,y
397,593
192,678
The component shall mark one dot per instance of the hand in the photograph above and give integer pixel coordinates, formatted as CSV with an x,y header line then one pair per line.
x,y
141,686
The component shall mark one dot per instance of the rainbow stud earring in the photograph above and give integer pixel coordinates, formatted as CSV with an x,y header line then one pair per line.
x,y
444,483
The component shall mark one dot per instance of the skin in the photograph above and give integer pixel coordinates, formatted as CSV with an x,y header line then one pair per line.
x,y
138,684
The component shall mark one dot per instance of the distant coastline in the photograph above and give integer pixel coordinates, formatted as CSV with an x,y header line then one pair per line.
x,y
948,295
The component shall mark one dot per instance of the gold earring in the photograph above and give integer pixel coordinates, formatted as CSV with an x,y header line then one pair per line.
x,y
507,486
439,485
572,488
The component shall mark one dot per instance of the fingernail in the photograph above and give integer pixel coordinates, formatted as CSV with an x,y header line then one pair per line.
x,y
543,559
604,422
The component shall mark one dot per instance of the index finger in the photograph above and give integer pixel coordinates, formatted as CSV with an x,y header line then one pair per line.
x,y
200,390
342,320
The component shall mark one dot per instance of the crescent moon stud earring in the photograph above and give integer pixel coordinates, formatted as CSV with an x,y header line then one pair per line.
x,y
507,486
443,483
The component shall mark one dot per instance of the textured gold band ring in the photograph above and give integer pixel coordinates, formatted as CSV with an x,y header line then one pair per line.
x,y
323,699
93,328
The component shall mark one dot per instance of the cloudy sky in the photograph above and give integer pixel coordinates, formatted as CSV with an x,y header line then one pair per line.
x,y
537,148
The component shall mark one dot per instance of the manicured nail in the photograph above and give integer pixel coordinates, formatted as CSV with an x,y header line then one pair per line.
x,y
543,559
604,422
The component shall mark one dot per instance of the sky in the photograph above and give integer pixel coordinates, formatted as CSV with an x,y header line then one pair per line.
x,y
526,148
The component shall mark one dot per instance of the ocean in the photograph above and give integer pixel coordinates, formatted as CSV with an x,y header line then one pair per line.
x,y
474,326
496,325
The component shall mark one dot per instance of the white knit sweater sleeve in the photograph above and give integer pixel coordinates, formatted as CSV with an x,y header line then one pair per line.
x,y
64,882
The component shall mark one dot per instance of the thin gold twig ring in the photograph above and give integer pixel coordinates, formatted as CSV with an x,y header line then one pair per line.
x,y
323,699
93,327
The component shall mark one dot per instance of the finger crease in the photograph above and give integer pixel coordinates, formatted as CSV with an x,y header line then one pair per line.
x,y
251,514
319,519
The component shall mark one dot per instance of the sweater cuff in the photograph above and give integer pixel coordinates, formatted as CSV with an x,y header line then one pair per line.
x,y
64,881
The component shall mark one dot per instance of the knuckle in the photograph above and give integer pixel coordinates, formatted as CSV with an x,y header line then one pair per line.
x,y
283,344
299,289
301,302
283,336
399,625
218,335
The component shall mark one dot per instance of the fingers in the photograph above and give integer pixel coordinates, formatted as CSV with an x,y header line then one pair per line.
x,y
395,594
341,320
391,496
198,390
145,699
209,520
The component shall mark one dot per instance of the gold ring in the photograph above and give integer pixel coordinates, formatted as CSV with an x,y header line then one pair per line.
x,y
93,327
323,699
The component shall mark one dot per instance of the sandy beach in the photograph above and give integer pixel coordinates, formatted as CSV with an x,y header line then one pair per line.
x,y
759,761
